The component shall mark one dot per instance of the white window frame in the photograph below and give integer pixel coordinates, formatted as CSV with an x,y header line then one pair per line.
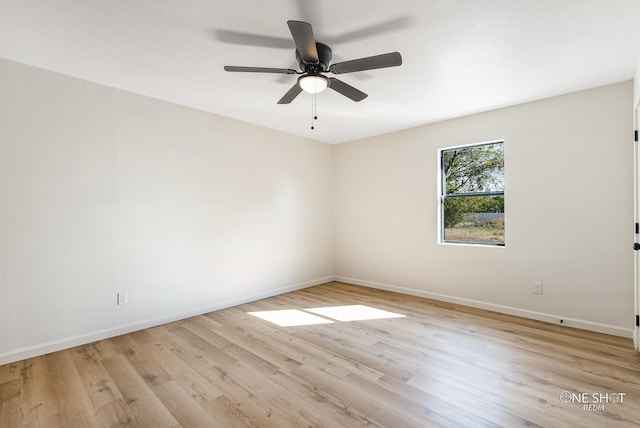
x,y
442,196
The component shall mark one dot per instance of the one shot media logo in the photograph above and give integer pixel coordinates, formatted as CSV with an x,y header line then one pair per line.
x,y
593,401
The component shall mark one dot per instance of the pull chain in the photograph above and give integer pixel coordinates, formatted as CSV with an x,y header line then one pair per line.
x,y
313,102
314,110
315,107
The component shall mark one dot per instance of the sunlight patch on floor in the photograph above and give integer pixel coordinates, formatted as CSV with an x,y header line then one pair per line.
x,y
295,317
290,317
353,313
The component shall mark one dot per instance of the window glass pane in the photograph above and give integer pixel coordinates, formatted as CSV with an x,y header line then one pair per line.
x,y
478,219
473,169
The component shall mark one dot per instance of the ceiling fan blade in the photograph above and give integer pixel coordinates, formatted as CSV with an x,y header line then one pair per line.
x,y
305,42
291,94
346,90
388,26
259,69
238,38
392,59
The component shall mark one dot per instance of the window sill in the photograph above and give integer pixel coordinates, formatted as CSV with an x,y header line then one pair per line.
x,y
472,244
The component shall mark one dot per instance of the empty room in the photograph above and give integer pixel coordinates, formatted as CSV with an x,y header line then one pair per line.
x,y
298,213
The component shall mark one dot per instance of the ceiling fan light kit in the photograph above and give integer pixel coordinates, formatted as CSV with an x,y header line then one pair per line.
x,y
313,83
314,59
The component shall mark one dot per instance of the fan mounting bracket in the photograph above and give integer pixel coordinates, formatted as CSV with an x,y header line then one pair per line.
x,y
324,57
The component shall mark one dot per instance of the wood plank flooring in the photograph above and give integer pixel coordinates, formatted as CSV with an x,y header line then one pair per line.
x,y
439,365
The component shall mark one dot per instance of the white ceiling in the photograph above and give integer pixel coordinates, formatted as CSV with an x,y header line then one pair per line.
x,y
459,56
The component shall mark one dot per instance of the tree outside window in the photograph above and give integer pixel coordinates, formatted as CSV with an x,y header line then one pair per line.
x,y
472,194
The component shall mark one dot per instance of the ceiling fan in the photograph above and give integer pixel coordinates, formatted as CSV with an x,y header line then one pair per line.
x,y
314,59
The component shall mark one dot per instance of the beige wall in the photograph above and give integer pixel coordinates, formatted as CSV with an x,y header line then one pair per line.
x,y
636,110
104,191
569,212
636,83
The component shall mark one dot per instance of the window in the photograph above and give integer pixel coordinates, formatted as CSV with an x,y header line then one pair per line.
x,y
472,194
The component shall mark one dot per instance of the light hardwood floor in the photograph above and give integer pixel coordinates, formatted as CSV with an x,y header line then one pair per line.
x,y
440,365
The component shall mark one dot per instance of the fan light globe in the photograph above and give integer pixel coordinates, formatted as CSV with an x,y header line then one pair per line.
x,y
313,84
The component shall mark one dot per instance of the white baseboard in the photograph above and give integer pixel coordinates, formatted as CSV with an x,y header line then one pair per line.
x,y
525,313
70,342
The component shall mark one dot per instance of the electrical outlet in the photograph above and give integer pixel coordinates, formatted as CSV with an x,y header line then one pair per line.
x,y
537,287
122,298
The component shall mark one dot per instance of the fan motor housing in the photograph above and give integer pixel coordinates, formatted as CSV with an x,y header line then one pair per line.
x,y
324,55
